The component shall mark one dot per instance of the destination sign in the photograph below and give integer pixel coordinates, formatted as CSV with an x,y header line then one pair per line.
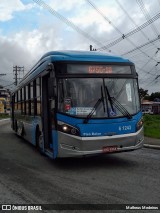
x,y
97,69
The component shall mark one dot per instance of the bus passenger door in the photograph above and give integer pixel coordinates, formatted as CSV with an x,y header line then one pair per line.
x,y
47,115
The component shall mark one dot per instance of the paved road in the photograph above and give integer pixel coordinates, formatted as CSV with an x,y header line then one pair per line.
x,y
28,177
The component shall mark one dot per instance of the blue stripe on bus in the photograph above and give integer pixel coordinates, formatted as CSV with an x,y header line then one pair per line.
x,y
102,127
73,120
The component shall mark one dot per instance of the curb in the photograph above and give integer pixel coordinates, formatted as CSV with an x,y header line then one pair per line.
x,y
3,121
151,146
7,119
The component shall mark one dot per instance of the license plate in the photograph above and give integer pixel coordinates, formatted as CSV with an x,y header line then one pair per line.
x,y
109,149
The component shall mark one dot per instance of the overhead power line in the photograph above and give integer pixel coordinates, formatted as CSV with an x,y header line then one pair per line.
x,y
67,22
149,84
144,71
3,74
147,16
131,19
150,72
9,85
155,30
2,80
123,36
143,45
157,63
148,49
158,49
130,33
104,17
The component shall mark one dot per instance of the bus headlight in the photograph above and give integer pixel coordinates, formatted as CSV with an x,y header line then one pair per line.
x,y
66,128
139,124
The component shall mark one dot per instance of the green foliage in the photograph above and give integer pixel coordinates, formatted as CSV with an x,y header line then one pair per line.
x,y
152,126
4,116
155,95
143,93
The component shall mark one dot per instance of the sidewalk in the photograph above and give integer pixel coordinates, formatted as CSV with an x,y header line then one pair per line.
x,y
151,143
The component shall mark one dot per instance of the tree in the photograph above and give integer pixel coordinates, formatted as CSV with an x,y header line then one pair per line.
x,y
143,93
155,96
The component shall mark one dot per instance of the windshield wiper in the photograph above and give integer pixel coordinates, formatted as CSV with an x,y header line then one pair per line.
x,y
118,105
121,108
95,107
110,99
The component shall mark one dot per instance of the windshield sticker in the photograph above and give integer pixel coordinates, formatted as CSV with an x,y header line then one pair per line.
x,y
67,104
128,91
112,112
81,111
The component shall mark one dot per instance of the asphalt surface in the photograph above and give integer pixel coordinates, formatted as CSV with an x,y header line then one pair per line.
x,y
27,177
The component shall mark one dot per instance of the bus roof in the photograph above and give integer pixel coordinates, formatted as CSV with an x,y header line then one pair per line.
x,y
70,56
83,56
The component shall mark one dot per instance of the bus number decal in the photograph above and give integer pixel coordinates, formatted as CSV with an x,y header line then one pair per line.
x,y
124,128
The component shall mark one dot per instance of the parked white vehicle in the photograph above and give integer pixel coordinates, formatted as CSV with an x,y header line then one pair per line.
x,y
147,111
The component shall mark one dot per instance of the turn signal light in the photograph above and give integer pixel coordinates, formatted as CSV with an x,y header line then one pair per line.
x,y
139,124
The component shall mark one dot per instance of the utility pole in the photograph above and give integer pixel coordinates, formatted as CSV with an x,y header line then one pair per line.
x,y
17,72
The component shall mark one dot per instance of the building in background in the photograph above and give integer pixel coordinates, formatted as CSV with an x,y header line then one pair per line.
x,y
150,107
4,100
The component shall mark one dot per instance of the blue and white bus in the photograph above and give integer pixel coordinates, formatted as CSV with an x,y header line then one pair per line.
x,y
77,103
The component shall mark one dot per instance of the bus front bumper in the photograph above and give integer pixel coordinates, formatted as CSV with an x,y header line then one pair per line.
x,y
74,146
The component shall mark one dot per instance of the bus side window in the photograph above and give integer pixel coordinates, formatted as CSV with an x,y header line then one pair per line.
x,y
15,101
28,105
38,96
34,97
22,102
31,99
19,101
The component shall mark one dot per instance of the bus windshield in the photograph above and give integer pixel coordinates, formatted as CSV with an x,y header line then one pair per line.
x,y
79,96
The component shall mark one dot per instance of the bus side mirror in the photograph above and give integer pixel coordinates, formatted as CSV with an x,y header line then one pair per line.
x,y
52,87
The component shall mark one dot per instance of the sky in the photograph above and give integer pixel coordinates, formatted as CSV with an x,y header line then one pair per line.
x,y
127,28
